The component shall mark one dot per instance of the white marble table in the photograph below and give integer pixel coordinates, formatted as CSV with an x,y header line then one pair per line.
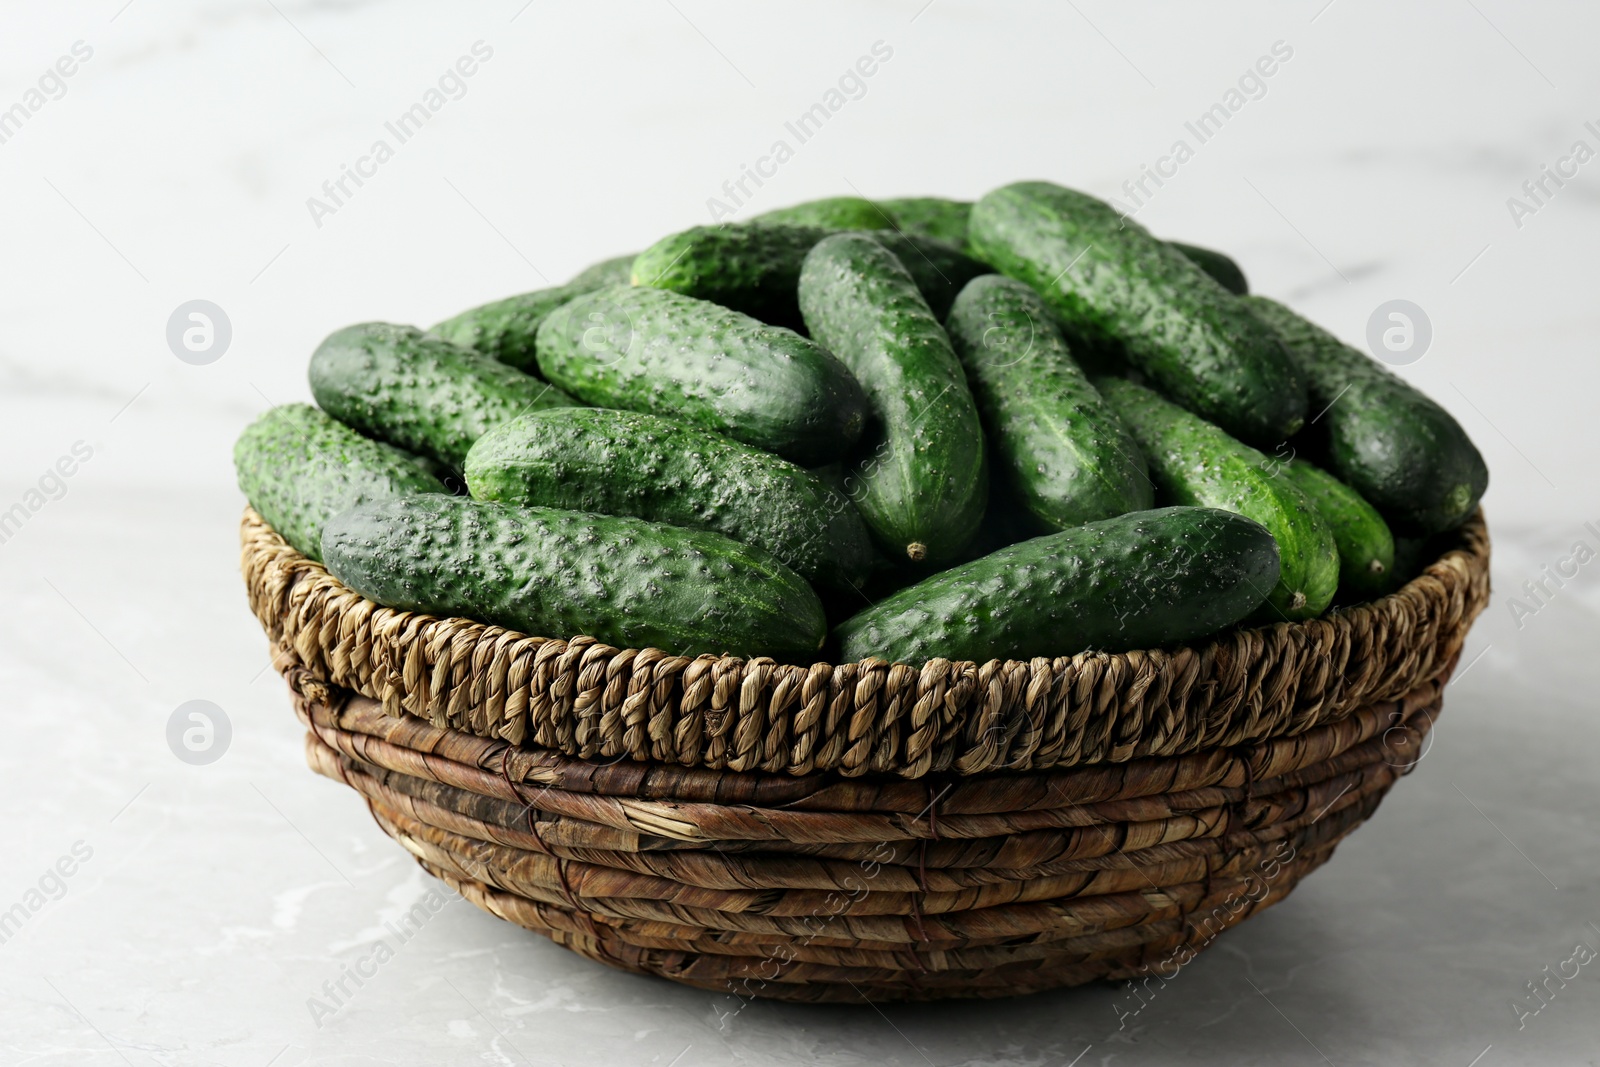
x,y
205,905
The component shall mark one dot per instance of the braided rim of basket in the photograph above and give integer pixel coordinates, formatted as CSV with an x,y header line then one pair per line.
x,y
591,701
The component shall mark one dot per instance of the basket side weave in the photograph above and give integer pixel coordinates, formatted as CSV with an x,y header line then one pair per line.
x,y
1001,885
587,700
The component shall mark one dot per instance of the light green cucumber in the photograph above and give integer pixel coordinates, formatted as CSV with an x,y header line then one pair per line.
x,y
1366,547
1194,462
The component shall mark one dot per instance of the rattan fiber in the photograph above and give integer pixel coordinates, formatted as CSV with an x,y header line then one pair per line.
x,y
591,701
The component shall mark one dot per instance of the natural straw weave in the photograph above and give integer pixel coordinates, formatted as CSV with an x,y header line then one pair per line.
x,y
866,830
592,701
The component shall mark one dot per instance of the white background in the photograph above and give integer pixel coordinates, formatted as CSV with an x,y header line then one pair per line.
x,y
1377,165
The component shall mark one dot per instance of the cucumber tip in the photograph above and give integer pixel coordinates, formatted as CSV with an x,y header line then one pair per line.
x,y
917,551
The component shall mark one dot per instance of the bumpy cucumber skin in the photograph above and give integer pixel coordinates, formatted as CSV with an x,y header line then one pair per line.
x,y
656,351
299,467
1366,547
755,268
420,392
508,329
1109,280
627,463
931,216
1220,266
1062,448
1402,452
752,269
553,573
832,213
1194,462
923,487
618,270
940,270
505,329
1141,580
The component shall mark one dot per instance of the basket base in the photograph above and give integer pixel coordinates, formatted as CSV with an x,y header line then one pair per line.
x,y
815,891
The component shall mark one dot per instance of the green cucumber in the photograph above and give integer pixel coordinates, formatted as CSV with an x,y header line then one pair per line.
x,y
755,268
553,573
1141,580
931,216
1366,547
832,213
299,467
923,486
618,270
1109,280
1194,462
1227,273
1062,449
508,329
940,270
752,269
651,350
1402,452
627,463
505,329
420,392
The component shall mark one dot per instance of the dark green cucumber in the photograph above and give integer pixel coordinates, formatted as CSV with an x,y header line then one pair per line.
x,y
1402,452
1140,580
505,329
1227,273
931,216
1194,462
756,268
508,329
940,270
923,486
651,350
618,270
299,467
553,573
1061,447
420,392
832,213
1109,280
751,269
1366,547
628,463
1412,554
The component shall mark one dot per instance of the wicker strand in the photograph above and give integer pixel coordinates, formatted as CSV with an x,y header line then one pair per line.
x,y
586,699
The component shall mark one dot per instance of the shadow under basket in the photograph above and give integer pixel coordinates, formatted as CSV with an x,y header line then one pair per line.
x,y
867,830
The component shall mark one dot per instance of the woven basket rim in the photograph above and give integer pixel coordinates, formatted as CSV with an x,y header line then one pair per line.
x,y
590,700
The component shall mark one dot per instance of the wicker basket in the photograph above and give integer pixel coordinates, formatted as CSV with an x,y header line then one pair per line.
x,y
866,830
